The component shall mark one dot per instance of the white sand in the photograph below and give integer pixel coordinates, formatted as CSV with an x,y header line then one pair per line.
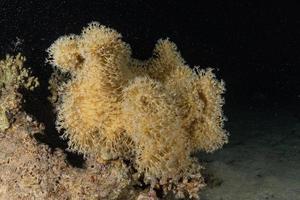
x,y
262,160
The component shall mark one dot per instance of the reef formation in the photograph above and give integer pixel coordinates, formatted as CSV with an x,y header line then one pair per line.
x,y
32,170
139,124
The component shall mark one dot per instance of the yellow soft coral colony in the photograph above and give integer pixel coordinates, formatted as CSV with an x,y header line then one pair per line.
x,y
154,112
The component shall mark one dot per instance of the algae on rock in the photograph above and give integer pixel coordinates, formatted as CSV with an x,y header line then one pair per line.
x,y
13,77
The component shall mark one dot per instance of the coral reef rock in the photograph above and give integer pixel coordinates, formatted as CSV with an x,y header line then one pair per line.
x,y
30,170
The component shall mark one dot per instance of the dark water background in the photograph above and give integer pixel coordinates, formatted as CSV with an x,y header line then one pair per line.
x,y
254,47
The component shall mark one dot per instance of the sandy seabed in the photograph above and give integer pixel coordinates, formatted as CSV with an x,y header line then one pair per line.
x,y
262,159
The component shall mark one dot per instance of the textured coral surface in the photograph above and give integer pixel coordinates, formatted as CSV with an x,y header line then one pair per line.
x,y
30,170
154,113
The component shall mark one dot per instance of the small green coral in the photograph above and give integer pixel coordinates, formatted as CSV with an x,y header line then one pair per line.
x,y
13,76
